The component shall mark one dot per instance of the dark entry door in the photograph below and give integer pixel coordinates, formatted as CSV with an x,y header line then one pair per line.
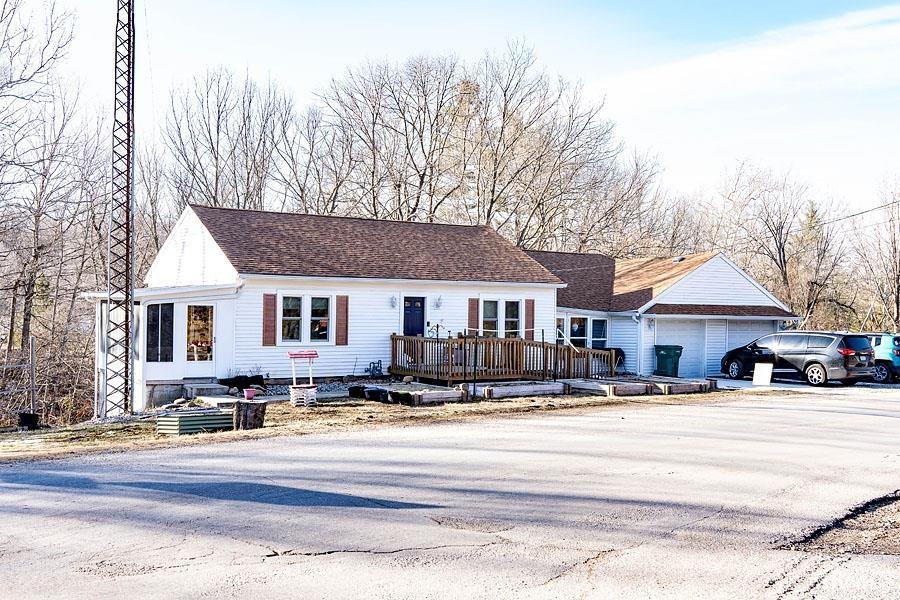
x,y
413,316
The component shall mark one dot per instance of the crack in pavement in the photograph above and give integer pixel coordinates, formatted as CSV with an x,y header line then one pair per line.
x,y
274,553
589,561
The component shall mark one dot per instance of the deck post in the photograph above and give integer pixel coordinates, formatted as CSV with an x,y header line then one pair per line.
x,y
449,359
475,366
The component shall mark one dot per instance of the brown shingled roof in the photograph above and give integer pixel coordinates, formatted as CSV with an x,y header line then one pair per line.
x,y
598,282
270,243
589,278
639,280
729,310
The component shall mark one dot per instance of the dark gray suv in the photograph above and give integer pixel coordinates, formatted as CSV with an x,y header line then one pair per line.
x,y
821,356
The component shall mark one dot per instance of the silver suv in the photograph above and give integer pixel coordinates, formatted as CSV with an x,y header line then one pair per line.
x,y
820,356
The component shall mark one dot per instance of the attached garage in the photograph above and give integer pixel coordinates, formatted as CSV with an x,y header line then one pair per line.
x,y
705,341
702,302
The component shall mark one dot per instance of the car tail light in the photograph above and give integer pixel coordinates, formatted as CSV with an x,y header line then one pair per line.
x,y
847,351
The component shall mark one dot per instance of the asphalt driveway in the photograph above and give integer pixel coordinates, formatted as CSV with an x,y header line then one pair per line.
x,y
634,501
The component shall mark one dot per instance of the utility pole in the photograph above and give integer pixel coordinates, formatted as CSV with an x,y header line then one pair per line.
x,y
116,396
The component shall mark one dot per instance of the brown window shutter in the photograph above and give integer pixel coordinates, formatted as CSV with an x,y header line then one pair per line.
x,y
473,316
529,318
270,302
340,320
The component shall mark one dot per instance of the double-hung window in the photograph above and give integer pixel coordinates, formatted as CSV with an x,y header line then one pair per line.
x,y
159,332
578,331
304,318
291,317
319,318
598,333
512,318
489,318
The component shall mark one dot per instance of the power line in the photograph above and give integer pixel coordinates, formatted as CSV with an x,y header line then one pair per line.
x,y
863,212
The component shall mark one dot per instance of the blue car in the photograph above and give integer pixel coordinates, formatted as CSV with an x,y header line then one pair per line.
x,y
887,357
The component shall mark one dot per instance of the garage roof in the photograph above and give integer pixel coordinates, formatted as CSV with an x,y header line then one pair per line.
x,y
725,310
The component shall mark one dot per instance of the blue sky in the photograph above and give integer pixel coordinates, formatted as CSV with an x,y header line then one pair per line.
x,y
806,86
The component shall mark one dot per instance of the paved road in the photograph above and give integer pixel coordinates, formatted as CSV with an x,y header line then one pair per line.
x,y
636,501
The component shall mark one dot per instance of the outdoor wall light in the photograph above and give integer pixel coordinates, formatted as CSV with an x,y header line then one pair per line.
x,y
437,302
393,301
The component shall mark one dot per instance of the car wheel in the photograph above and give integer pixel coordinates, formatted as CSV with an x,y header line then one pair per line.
x,y
816,375
735,369
849,382
882,373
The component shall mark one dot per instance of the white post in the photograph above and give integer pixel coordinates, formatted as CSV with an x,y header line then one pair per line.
x,y
294,371
310,372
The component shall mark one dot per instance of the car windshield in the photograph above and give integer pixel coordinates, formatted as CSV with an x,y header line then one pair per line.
x,y
857,342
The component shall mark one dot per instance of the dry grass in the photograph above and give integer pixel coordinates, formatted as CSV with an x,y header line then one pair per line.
x,y
282,419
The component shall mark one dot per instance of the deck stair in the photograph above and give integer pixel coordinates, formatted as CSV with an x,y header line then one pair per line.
x,y
202,386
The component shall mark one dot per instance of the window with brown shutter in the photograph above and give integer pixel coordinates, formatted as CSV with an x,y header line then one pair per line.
x,y
340,320
270,302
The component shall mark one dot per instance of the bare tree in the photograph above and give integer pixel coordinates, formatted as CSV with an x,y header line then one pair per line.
x,y
219,135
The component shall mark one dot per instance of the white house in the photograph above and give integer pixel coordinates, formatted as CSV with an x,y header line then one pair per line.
x,y
232,291
702,302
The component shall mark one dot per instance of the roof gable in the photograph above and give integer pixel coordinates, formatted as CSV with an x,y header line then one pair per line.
x,y
290,244
190,257
720,282
640,280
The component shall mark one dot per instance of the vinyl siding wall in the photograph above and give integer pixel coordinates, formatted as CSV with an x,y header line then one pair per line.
x,y
623,333
715,282
371,319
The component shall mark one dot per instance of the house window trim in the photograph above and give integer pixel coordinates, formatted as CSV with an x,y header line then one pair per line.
x,y
159,333
306,297
501,314
280,313
591,337
586,338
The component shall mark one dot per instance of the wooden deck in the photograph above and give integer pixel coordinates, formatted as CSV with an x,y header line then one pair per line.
x,y
469,359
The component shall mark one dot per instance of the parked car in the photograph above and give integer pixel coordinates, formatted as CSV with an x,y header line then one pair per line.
x,y
819,355
887,356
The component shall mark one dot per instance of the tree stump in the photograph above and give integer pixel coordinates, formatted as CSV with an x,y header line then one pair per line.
x,y
249,414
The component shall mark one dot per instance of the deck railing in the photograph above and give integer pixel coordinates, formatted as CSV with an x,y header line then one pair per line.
x,y
471,358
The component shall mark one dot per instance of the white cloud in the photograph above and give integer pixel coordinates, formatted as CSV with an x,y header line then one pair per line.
x,y
819,99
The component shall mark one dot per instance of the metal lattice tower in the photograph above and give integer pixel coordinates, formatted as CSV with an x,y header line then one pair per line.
x,y
116,395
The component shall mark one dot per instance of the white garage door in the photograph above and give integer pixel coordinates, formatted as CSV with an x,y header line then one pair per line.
x,y
691,335
741,333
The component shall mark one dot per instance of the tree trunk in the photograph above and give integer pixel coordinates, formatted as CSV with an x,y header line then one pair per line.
x,y
249,414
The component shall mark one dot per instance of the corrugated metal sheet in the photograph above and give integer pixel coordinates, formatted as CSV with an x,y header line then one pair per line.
x,y
182,422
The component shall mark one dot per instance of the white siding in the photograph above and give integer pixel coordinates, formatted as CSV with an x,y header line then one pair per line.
x,y
716,345
691,335
189,257
741,333
715,282
371,319
648,339
623,333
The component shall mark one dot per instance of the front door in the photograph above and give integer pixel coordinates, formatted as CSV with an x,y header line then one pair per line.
x,y
413,315
200,341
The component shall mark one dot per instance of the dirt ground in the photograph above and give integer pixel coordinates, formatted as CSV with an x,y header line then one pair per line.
x,y
873,528
283,419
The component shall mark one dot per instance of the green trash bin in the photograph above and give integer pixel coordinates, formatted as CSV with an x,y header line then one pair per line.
x,y
667,358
